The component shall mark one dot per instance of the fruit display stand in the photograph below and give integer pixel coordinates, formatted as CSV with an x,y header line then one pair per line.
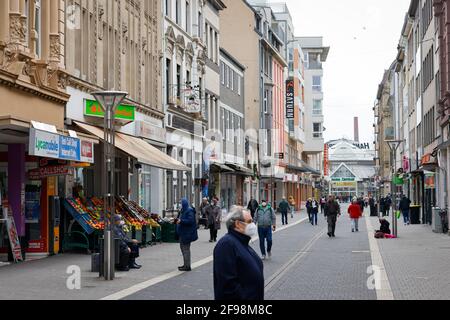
x,y
168,232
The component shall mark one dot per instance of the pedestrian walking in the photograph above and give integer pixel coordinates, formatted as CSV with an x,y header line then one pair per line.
x,y
388,204
372,207
292,205
203,221
284,209
405,206
323,202
213,213
362,205
309,208
332,211
266,220
237,268
383,206
355,212
253,206
187,233
314,212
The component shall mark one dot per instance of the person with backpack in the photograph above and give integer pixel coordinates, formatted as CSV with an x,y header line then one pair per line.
x,y
187,233
266,220
284,209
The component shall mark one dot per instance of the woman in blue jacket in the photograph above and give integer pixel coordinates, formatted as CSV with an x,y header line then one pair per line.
x,y
187,233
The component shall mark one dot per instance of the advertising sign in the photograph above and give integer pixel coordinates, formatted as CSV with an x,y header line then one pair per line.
x,y
123,112
12,234
87,151
69,148
150,131
44,144
430,181
325,161
50,171
290,99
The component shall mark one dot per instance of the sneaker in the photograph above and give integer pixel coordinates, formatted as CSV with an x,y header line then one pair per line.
x,y
333,235
329,234
353,230
263,257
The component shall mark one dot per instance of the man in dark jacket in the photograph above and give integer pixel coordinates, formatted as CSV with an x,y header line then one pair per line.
x,y
253,206
405,206
372,207
383,206
129,248
187,232
238,271
213,213
333,210
284,208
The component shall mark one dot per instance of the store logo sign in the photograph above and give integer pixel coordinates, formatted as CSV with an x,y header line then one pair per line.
x,y
44,144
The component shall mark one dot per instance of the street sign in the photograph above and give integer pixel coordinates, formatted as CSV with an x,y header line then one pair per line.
x,y
290,99
12,234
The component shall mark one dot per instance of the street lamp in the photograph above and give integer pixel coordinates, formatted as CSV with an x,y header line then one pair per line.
x,y
394,145
109,101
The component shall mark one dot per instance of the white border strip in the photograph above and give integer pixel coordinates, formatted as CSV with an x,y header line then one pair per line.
x,y
385,292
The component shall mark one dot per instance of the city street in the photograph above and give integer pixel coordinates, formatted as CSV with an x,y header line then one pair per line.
x,y
306,265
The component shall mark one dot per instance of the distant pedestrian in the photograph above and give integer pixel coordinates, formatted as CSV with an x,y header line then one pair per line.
x,y
383,206
213,213
203,221
362,205
323,202
253,206
238,270
309,208
314,212
355,213
332,211
372,207
187,233
284,209
388,204
405,206
292,205
266,220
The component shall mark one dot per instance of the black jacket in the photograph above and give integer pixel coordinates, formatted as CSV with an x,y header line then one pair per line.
x,y
253,206
405,204
238,270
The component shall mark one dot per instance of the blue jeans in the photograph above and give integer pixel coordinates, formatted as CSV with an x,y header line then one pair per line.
x,y
406,216
314,218
284,218
265,233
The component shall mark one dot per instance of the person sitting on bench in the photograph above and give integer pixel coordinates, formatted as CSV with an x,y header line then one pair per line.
x,y
129,248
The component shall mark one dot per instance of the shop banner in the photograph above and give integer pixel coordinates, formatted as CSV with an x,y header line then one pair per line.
x,y
12,234
430,182
69,148
123,112
50,171
290,99
87,151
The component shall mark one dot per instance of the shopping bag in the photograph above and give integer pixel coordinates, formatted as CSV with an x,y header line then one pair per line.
x,y
398,214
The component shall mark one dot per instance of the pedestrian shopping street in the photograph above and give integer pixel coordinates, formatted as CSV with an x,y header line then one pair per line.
x,y
306,265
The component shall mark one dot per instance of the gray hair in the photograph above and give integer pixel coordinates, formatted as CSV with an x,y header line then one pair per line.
x,y
236,214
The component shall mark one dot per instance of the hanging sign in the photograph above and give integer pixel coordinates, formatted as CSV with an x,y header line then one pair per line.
x,y
12,234
290,99
123,112
430,181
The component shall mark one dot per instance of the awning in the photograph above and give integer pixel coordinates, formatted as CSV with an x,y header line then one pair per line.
x,y
139,149
443,145
222,167
241,169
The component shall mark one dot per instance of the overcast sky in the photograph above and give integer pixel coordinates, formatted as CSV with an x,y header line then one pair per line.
x,y
363,36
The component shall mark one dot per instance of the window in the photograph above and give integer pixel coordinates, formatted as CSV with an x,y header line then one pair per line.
x,y
37,26
207,39
266,101
200,25
317,107
178,12
216,47
222,72
188,17
168,80
222,123
227,75
227,125
232,79
317,130
317,83
178,81
167,8
314,61
239,80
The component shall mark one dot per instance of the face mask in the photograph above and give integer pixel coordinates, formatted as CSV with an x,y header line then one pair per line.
x,y
122,223
264,204
251,230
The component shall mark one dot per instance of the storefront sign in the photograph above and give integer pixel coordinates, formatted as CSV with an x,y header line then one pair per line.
x,y
56,146
12,234
343,179
344,184
123,112
325,161
430,182
290,99
50,171
150,131
87,151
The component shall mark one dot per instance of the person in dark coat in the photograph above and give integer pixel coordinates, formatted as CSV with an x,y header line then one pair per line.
x,y
388,204
362,204
213,214
372,207
405,206
203,217
238,270
384,226
187,233
284,209
332,211
129,248
309,208
383,206
253,205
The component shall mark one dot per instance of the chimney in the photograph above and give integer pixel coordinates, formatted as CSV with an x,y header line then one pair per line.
x,y
356,127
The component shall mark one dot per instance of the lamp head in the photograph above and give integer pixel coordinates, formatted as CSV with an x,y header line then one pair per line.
x,y
109,99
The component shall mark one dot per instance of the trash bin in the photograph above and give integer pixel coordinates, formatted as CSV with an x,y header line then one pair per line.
x,y
415,214
95,262
437,226
116,253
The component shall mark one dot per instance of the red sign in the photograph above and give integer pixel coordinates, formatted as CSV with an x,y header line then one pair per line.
x,y
41,173
325,161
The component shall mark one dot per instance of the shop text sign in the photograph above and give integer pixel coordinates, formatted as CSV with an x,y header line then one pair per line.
x,y
55,146
290,99
123,112
50,171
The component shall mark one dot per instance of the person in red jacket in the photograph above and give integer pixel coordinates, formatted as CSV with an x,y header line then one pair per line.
x,y
355,213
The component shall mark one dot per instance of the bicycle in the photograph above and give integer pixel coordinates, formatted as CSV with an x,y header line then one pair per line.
x,y
444,220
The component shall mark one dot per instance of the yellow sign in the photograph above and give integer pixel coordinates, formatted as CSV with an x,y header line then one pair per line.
x,y
344,184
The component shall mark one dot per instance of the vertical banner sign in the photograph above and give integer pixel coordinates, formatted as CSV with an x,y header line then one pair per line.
x,y
290,100
325,161
12,235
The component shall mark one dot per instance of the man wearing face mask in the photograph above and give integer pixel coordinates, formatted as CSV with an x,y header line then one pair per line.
x,y
267,222
238,270
129,248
